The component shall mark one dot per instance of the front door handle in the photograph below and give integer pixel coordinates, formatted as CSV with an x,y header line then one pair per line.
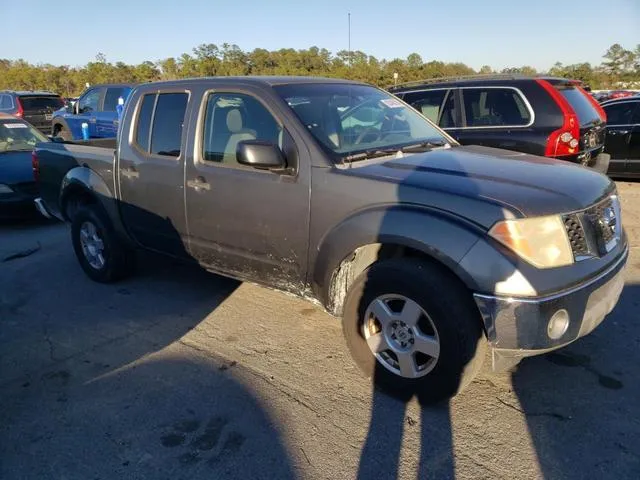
x,y
198,184
618,132
129,172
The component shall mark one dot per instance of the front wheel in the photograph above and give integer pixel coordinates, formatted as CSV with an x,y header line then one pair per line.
x,y
64,134
414,328
102,255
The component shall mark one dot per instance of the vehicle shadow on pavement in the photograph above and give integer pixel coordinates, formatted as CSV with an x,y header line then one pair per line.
x,y
104,387
381,455
579,402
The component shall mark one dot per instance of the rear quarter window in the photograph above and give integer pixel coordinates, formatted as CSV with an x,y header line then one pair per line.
x,y
580,103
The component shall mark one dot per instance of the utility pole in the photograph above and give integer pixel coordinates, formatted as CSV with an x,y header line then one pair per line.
x,y
349,48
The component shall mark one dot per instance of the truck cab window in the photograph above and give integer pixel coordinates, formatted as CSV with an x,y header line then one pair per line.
x,y
143,127
111,98
166,131
231,118
89,101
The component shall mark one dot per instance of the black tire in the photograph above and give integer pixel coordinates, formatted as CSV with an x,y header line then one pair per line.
x,y
118,258
449,306
64,134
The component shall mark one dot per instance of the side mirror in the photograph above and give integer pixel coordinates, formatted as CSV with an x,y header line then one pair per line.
x,y
260,154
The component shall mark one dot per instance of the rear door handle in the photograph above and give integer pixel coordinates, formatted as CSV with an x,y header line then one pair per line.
x,y
129,172
198,184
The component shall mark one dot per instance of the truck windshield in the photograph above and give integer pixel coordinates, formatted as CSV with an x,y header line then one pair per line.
x,y
16,135
349,120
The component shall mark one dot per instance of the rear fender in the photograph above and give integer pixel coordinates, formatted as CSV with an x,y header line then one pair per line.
x,y
83,183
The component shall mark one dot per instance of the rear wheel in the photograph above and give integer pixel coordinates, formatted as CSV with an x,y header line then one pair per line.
x,y
102,255
414,328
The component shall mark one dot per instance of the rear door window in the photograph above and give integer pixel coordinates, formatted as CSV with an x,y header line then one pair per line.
x,y
428,103
495,107
168,119
620,113
159,123
111,98
143,122
41,103
580,103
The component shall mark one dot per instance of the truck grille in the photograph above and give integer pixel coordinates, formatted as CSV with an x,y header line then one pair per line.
x,y
595,231
575,232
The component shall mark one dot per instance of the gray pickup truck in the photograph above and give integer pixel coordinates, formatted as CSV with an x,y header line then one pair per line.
x,y
431,252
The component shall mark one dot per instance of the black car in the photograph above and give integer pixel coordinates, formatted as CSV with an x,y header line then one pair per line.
x,y
35,107
18,187
623,136
553,117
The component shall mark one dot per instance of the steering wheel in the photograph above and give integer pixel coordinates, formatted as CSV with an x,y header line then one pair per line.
x,y
368,131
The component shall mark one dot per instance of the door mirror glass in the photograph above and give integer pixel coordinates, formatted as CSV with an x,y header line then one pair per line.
x,y
260,154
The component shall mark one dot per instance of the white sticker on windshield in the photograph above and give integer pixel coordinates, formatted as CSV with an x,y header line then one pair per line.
x,y
15,125
392,103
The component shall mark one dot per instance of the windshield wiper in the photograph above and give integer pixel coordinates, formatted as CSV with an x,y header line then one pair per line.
x,y
423,146
384,152
375,153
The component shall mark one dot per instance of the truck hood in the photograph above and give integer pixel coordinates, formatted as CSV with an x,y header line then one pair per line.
x,y
15,167
524,184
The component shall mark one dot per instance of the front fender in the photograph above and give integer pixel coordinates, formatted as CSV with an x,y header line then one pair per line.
x,y
84,181
435,233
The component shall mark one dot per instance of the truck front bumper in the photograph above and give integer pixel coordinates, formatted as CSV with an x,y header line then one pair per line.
x,y
522,327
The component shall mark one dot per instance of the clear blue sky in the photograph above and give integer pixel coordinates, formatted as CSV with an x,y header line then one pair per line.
x,y
499,33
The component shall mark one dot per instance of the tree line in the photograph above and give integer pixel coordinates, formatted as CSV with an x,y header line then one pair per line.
x,y
620,67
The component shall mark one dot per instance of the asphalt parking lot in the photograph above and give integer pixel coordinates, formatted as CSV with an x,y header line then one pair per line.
x,y
179,374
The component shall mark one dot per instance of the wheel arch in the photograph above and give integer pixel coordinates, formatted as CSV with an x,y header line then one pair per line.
x,y
82,186
434,237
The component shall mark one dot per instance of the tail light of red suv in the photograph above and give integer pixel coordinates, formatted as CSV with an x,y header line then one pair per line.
x,y
565,140
20,110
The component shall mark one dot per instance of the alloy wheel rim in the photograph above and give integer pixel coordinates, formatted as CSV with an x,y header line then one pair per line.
x,y
92,245
401,336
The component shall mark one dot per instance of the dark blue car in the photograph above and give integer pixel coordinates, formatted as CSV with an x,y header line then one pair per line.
x,y
18,187
97,107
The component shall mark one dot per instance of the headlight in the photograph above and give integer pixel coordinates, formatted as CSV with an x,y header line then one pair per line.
x,y
541,241
5,188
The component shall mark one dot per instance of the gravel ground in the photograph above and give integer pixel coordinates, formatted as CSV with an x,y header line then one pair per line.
x,y
179,374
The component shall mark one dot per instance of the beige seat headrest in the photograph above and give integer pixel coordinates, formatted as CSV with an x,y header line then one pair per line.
x,y
234,120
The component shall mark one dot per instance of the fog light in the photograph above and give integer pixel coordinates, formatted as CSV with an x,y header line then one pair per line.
x,y
558,324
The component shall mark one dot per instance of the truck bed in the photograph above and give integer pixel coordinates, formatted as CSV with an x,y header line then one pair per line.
x,y
57,158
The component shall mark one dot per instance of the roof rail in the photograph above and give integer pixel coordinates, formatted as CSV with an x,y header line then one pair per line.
x,y
483,76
